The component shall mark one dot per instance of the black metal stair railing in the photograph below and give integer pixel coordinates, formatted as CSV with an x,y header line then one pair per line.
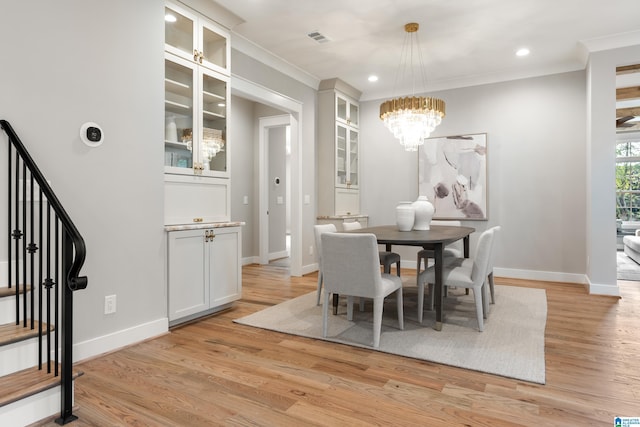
x,y
44,247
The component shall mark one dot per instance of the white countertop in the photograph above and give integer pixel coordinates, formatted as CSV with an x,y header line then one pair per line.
x,y
202,225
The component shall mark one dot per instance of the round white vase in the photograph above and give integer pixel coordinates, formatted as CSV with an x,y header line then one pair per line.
x,y
405,216
423,213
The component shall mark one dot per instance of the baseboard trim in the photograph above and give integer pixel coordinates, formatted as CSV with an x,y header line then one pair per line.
x,y
309,268
117,340
250,260
278,255
544,276
602,289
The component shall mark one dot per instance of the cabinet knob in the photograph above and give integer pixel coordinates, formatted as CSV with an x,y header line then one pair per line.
x,y
195,55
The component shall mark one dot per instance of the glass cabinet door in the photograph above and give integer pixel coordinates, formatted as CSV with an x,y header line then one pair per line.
x,y
179,33
196,39
341,109
346,111
353,158
213,138
341,156
353,114
179,120
214,47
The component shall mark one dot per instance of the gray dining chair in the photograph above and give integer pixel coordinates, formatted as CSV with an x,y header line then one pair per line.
x,y
318,231
387,259
468,262
453,250
470,273
351,267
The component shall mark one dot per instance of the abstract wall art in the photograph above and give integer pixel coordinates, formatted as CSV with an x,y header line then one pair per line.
x,y
452,173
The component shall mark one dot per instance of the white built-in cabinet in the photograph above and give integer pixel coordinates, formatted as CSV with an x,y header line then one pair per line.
x,y
338,150
203,270
197,94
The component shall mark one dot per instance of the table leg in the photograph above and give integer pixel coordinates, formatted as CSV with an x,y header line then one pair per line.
x,y
439,285
465,243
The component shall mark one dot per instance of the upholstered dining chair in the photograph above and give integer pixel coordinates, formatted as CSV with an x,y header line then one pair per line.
x,y
463,274
351,267
387,259
318,231
469,262
453,250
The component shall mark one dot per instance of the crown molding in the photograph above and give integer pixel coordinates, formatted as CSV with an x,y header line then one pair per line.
x,y
249,48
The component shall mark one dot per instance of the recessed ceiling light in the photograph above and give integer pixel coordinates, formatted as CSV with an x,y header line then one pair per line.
x,y
373,78
170,18
522,52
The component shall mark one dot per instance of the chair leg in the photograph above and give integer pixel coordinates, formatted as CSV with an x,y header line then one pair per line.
x,y
485,300
493,297
431,289
336,297
377,320
319,287
477,296
386,268
400,308
420,301
325,314
397,268
350,308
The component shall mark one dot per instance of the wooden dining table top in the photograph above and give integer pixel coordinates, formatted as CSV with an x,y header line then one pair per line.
x,y
390,235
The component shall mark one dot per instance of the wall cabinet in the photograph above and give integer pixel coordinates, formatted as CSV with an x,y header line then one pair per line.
x,y
204,271
197,93
338,151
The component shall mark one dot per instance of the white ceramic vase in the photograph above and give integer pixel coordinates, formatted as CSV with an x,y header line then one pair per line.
x,y
423,213
405,216
171,131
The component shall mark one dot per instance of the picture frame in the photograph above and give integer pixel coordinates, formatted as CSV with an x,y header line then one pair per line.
x,y
452,174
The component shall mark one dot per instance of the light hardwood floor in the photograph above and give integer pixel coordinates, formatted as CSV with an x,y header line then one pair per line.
x,y
215,372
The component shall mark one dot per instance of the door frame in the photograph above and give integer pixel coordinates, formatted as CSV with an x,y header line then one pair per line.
x,y
264,125
254,92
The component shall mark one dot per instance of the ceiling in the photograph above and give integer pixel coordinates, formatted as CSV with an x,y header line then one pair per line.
x,y
463,42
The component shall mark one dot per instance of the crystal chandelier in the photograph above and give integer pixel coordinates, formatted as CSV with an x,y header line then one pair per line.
x,y
411,119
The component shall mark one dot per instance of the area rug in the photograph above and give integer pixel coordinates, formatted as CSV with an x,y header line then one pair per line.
x,y
627,268
512,344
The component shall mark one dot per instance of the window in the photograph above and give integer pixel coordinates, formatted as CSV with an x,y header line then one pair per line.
x,y
628,180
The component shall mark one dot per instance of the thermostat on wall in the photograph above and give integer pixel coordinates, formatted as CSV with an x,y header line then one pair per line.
x,y
91,134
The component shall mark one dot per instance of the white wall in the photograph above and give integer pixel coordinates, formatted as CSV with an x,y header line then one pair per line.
x,y
243,173
68,62
536,143
601,216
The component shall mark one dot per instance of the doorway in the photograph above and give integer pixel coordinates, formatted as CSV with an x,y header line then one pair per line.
x,y
251,91
627,169
275,137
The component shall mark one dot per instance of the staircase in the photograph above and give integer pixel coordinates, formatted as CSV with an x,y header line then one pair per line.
x,y
39,272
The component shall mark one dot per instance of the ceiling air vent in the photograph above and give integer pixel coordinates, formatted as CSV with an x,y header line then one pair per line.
x,y
319,37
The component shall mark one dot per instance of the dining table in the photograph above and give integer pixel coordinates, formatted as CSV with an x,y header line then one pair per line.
x,y
435,239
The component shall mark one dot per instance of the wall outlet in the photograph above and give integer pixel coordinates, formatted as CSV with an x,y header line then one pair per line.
x,y
109,304
311,250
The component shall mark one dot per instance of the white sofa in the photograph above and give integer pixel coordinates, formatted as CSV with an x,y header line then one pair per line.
x,y
632,246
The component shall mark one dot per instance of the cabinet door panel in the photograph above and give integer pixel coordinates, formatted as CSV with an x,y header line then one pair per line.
x,y
188,274
179,83
179,32
224,258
